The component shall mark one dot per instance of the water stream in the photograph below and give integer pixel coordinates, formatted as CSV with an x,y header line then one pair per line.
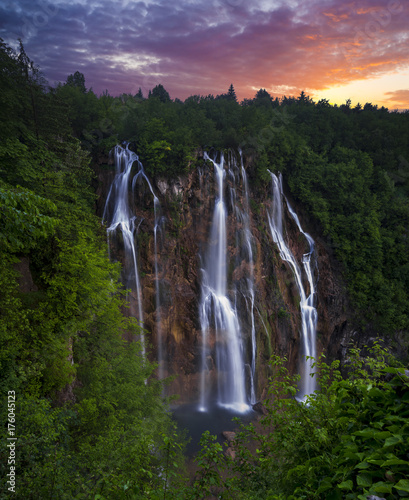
x,y
123,225
307,300
217,313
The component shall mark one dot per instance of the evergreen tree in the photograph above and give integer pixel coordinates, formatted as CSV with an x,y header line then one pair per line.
x,y
77,80
160,92
263,94
139,95
231,93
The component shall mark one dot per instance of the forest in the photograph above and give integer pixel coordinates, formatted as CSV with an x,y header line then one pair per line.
x,y
88,414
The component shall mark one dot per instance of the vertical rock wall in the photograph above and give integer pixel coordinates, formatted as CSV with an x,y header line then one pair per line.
x,y
187,204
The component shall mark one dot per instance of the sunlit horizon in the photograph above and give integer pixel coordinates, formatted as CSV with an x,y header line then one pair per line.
x,y
328,48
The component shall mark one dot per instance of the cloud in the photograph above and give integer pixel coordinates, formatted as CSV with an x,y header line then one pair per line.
x,y
201,47
398,99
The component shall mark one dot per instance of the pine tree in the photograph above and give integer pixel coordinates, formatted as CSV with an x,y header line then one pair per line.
x,y
231,93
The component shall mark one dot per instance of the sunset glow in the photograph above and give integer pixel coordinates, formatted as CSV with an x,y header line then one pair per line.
x,y
330,49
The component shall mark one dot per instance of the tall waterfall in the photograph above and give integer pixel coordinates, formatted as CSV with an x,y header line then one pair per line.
x,y
227,302
250,280
244,244
307,308
120,221
158,232
217,314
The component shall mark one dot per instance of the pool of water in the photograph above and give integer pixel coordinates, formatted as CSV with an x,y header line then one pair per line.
x,y
216,420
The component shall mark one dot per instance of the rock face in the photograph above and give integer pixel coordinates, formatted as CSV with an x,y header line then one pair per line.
x,y
187,205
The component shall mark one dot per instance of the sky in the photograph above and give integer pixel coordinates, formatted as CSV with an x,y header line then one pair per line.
x,y
331,49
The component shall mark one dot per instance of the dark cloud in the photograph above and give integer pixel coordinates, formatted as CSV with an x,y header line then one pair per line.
x,y
202,47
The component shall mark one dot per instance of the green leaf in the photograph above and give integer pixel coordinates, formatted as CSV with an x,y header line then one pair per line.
x,y
382,435
366,433
391,441
346,485
390,369
394,461
375,462
402,485
381,487
364,480
376,392
362,465
325,485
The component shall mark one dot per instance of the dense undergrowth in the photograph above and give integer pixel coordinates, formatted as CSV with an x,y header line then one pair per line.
x,y
347,441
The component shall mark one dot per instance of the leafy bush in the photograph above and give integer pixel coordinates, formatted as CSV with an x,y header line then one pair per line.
x,y
347,440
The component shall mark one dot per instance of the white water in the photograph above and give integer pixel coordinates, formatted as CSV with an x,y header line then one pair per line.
x,y
245,244
217,313
250,282
307,308
117,215
158,232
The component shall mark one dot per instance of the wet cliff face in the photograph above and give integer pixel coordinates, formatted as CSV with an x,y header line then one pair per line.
x,y
187,206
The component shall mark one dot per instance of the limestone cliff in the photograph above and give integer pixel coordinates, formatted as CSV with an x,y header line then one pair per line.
x,y
187,204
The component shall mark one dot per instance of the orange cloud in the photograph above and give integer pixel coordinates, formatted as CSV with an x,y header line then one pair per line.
x,y
398,99
366,10
203,46
334,17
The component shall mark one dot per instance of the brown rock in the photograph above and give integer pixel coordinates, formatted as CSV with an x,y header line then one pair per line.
x,y
260,408
229,436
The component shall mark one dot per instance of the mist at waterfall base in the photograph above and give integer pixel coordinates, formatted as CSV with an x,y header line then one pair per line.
x,y
234,351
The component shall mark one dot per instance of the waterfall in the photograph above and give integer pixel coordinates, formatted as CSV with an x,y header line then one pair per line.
x,y
307,308
250,280
119,219
244,241
227,302
217,313
158,232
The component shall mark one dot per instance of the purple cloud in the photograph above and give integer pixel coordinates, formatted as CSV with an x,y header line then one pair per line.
x,y
201,47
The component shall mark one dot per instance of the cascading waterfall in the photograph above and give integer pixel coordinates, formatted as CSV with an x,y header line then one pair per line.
x,y
158,232
217,313
118,217
227,336
250,280
244,240
308,310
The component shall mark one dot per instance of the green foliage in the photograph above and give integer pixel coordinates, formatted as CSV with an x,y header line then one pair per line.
x,y
77,80
83,109
348,197
159,92
211,463
14,325
91,421
23,221
348,440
